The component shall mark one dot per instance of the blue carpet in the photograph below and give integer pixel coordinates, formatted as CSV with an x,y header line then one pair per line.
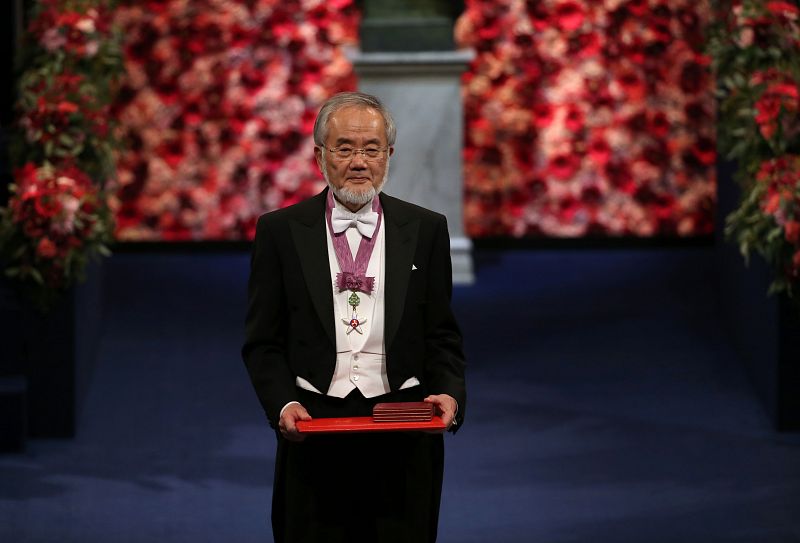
x,y
606,405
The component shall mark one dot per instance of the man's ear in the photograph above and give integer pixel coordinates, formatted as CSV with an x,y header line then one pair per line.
x,y
318,156
391,151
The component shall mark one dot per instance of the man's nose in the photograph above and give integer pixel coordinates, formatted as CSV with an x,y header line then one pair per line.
x,y
358,162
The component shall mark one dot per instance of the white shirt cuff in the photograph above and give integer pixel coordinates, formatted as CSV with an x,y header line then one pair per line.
x,y
285,406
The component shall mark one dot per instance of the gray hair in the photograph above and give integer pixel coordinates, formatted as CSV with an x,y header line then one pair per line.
x,y
352,99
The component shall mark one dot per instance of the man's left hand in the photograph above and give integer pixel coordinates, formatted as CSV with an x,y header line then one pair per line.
x,y
446,407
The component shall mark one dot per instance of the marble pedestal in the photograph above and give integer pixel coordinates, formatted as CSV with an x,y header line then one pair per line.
x,y
423,92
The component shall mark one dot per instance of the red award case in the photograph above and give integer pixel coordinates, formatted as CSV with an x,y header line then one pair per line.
x,y
352,425
386,417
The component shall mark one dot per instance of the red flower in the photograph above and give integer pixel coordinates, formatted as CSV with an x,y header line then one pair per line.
x,y
490,32
538,15
783,9
567,209
633,85
773,203
569,15
620,176
766,171
46,204
574,119
66,107
659,125
657,154
599,151
543,114
637,8
705,150
252,78
531,68
46,248
586,45
778,96
564,166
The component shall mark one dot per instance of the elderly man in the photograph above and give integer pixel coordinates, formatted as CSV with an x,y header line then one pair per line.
x,y
349,306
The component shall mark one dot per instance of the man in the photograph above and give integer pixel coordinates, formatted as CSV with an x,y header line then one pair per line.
x,y
349,306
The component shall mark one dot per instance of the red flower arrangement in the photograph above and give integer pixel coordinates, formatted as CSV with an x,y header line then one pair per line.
x,y
781,200
756,50
587,118
217,109
780,95
57,217
54,220
79,32
772,209
59,112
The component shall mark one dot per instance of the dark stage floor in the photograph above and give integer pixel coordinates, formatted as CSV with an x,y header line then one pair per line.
x,y
605,406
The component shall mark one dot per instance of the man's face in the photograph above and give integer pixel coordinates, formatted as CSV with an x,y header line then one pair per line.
x,y
357,179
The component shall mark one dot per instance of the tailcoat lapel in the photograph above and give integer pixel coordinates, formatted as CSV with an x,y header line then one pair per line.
x,y
401,242
309,236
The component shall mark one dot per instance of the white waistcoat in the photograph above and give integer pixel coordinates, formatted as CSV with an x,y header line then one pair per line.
x,y
360,358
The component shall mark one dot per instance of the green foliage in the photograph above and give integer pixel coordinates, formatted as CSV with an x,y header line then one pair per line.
x,y
755,47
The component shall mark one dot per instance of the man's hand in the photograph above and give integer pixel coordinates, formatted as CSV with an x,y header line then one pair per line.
x,y
288,422
446,407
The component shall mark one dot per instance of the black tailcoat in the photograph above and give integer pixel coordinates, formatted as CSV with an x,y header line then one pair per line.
x,y
290,333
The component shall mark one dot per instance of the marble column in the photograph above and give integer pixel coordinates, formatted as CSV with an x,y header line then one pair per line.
x,y
423,92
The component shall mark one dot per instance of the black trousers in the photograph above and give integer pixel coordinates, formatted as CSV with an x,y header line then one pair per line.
x,y
373,487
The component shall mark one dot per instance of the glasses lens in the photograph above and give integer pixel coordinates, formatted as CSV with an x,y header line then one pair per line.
x,y
370,153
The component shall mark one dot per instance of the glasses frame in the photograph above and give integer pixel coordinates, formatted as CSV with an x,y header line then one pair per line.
x,y
356,151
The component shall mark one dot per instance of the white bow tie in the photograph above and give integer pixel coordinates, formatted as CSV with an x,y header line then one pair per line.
x,y
342,219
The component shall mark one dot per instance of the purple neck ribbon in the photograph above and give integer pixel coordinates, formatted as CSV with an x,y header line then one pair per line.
x,y
353,272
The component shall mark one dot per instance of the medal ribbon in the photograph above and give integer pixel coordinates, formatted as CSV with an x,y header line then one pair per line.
x,y
353,272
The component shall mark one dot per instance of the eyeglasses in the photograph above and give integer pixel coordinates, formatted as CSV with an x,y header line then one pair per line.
x,y
345,152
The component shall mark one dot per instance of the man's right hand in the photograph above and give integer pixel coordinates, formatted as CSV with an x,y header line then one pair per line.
x,y
288,422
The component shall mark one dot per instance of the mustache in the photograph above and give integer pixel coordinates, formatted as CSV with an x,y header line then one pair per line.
x,y
348,196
